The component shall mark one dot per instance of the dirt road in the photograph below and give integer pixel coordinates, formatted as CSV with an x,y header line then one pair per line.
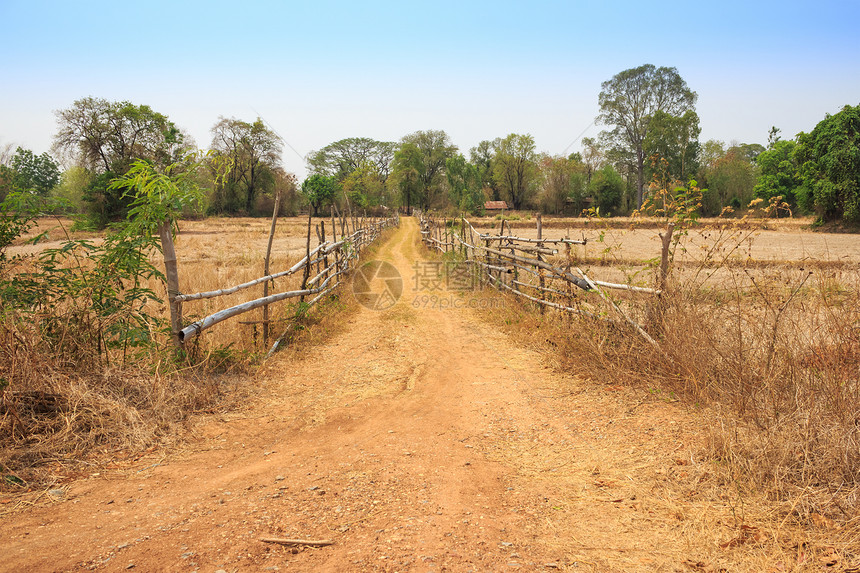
x,y
417,439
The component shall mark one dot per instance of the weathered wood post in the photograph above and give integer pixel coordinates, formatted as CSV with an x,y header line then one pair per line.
x,y
171,273
656,312
333,226
541,279
307,258
325,256
266,265
499,261
666,240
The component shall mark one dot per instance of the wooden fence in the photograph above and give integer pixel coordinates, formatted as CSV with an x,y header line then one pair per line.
x,y
322,270
541,270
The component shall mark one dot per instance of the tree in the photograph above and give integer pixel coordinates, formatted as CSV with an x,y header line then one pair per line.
x,y
33,173
731,181
778,175
829,160
631,98
408,165
482,157
675,139
593,156
606,187
246,155
364,186
559,182
341,158
515,169
434,148
464,184
106,137
319,190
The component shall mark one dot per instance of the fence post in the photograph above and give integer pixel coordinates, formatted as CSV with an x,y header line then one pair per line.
x,y
307,257
266,265
541,279
664,256
171,273
322,240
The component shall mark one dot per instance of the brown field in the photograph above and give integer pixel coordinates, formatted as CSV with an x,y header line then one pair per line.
x,y
484,435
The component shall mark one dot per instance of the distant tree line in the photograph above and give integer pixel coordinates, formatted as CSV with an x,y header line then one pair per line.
x,y
651,142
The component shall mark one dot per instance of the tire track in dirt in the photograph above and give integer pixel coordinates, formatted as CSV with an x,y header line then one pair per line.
x,y
417,439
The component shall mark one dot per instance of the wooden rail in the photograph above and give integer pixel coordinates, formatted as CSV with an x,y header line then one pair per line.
x,y
534,269
322,268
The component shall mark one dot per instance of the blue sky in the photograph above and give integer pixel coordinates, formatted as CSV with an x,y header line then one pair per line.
x,y
320,71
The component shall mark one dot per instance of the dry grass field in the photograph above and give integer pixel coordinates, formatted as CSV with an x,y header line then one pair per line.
x,y
66,403
760,325
213,254
488,437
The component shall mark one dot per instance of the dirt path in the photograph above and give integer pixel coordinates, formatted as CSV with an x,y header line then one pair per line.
x,y
418,439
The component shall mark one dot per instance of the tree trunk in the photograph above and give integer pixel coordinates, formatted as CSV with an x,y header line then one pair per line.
x,y
171,273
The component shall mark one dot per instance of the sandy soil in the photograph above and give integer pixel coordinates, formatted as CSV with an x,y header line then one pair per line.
x,y
416,439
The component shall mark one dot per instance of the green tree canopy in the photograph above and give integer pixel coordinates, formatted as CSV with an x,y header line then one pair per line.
x,y
675,139
464,184
364,186
433,148
106,138
319,190
606,188
33,173
515,169
778,173
408,166
482,156
341,158
730,181
630,99
829,160
245,157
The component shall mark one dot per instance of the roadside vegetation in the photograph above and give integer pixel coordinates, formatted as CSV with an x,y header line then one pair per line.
x,y
86,363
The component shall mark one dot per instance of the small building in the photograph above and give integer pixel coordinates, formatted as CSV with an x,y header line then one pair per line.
x,y
495,207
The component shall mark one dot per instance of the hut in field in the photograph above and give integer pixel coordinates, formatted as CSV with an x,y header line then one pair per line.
x,y
493,207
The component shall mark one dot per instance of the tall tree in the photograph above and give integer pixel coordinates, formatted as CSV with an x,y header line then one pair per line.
x,y
482,157
465,189
407,173
829,159
341,158
631,98
247,155
106,138
435,148
675,139
559,182
778,175
515,169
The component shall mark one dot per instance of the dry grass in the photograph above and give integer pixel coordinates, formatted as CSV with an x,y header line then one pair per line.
x,y
760,331
73,408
